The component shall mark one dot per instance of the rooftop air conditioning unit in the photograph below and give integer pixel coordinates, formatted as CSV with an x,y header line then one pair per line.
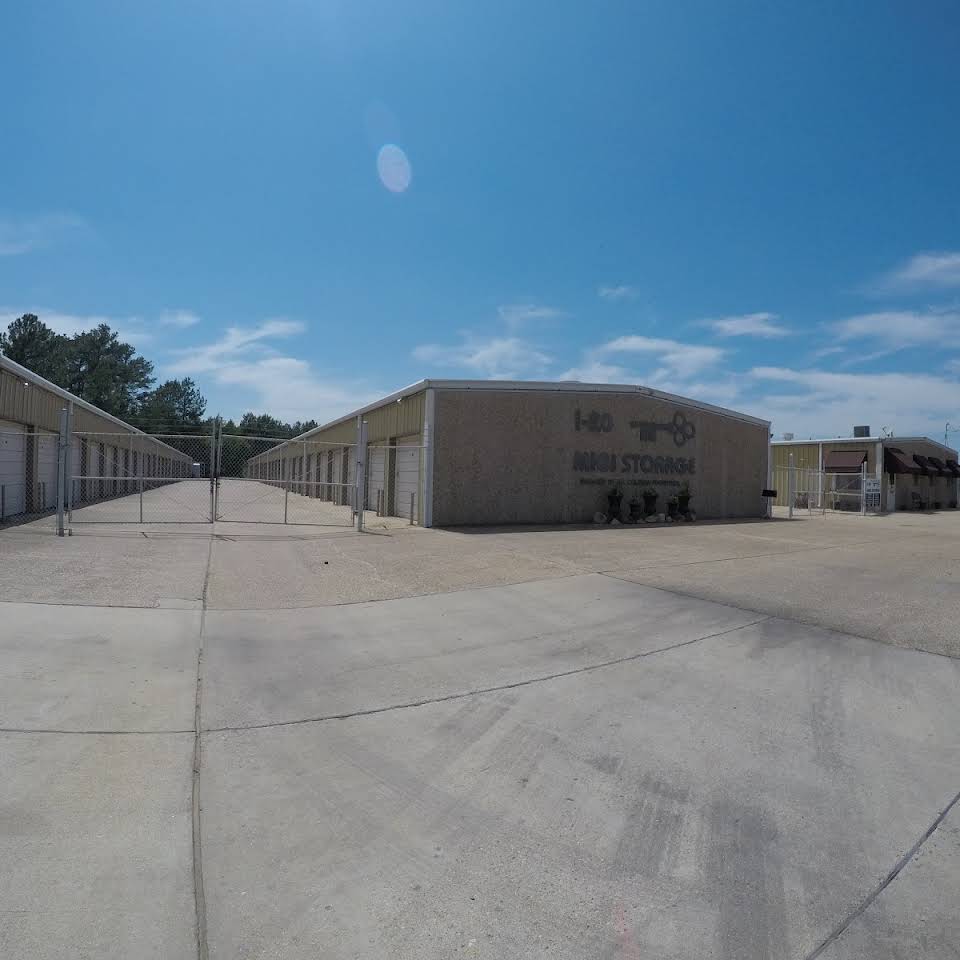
x,y
861,431
788,436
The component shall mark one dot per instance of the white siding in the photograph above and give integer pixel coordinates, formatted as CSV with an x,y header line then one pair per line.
x,y
13,449
47,468
376,462
407,476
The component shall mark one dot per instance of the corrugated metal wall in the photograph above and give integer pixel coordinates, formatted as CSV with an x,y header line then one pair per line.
x,y
31,404
805,455
394,419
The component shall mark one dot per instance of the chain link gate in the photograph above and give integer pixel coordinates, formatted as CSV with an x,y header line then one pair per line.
x,y
272,480
212,476
140,478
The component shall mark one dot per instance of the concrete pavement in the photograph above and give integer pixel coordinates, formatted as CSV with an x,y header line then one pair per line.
x,y
569,763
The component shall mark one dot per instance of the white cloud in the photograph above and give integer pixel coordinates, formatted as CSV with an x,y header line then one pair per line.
x,y
924,271
179,318
891,330
622,291
495,358
256,376
516,314
750,325
23,235
674,358
596,371
827,352
818,403
215,356
71,323
289,389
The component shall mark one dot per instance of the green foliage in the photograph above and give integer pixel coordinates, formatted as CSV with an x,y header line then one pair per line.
x,y
176,406
31,343
103,370
107,372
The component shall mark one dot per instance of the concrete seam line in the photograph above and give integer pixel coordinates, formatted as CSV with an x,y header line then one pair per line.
x,y
841,927
473,693
690,595
95,733
199,898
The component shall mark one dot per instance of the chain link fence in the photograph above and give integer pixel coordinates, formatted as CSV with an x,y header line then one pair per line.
x,y
208,476
817,491
140,478
269,480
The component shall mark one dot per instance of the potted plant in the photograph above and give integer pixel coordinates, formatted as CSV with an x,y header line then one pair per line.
x,y
636,510
673,505
614,499
683,499
649,501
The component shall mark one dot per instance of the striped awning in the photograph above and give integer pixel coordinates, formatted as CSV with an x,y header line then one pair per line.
x,y
895,461
844,461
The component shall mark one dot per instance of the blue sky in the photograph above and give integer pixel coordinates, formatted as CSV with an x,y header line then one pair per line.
x,y
304,205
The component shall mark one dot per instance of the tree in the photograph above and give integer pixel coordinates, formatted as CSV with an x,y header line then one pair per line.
x,y
31,343
107,372
176,406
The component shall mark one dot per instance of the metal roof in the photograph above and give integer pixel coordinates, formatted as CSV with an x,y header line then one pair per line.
x,y
26,374
883,440
542,386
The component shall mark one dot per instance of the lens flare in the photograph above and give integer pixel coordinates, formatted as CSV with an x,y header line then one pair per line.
x,y
394,168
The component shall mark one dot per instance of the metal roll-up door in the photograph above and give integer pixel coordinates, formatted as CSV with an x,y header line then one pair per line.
x,y
74,469
376,466
47,444
407,473
13,467
333,472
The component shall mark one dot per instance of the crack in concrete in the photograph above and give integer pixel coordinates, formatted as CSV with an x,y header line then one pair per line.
x,y
199,898
481,690
841,927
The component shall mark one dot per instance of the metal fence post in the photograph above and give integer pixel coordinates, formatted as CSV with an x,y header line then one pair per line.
x,y
3,500
863,489
62,469
411,509
361,472
212,469
141,497
791,484
286,499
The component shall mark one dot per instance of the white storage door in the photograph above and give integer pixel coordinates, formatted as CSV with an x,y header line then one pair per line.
x,y
13,467
334,473
47,467
407,476
74,468
376,460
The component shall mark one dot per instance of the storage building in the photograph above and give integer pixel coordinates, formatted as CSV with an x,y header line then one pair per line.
x,y
105,452
458,452
913,472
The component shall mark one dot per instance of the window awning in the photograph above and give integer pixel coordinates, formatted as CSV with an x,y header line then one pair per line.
x,y
953,467
924,464
895,461
844,461
938,466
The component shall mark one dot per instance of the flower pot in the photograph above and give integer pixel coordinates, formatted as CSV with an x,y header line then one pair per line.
x,y
636,511
683,503
649,503
672,511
